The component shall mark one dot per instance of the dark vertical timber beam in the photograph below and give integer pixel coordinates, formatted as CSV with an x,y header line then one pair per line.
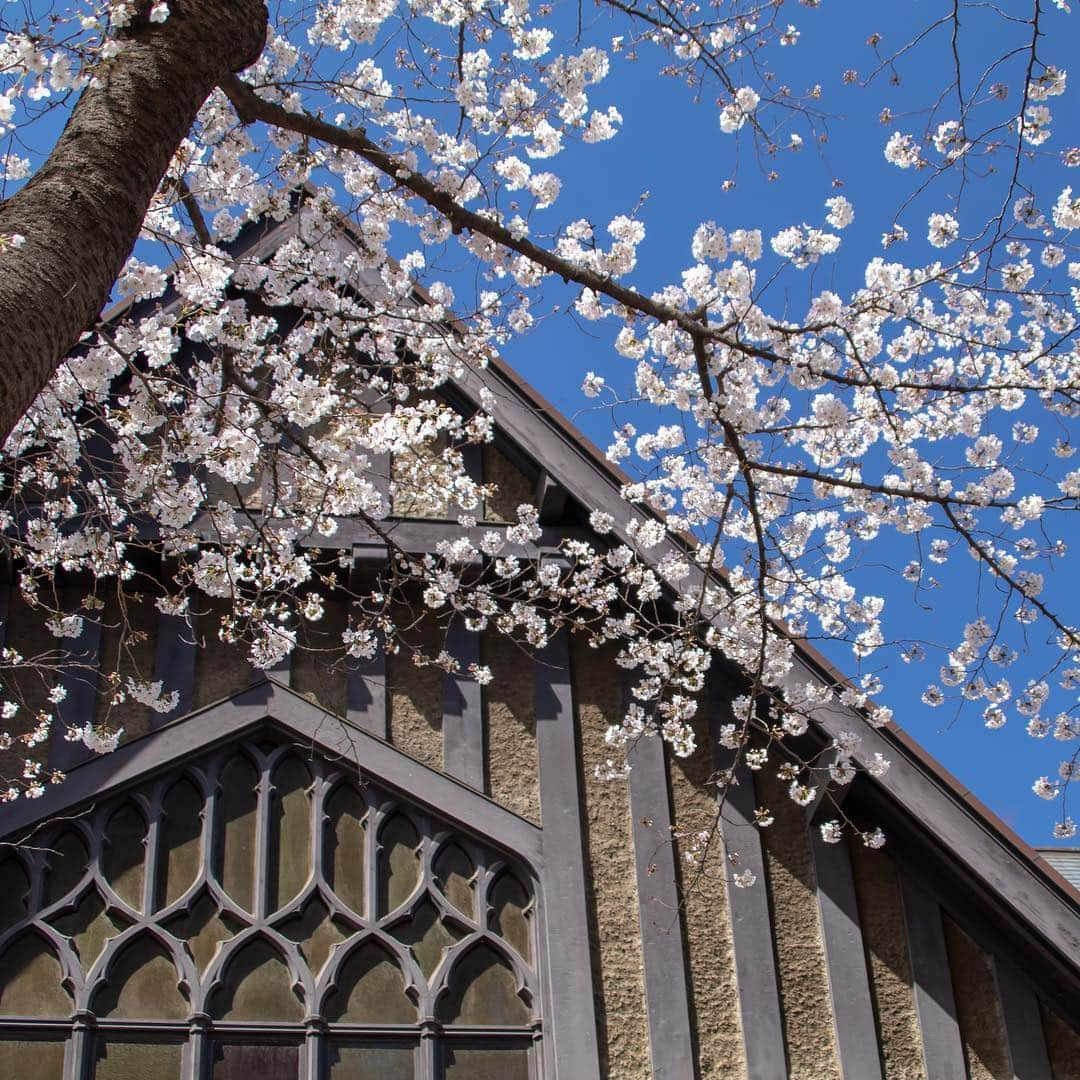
x,y
80,680
666,999
550,499
5,608
174,662
365,680
845,958
174,659
573,1020
463,710
943,1052
751,923
1023,1024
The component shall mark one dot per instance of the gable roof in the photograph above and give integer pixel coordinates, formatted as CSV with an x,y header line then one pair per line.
x,y
916,796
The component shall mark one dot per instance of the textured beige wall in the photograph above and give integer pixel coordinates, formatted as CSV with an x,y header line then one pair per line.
x,y
713,989
800,953
877,890
982,1027
614,929
318,666
1062,1046
221,669
510,746
514,486
415,696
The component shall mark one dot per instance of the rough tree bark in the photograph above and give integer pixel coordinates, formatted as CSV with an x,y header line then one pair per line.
x,y
81,212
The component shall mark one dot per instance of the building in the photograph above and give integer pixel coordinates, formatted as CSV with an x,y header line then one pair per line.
x,y
363,870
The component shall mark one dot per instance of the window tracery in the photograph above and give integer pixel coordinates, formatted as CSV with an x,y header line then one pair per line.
x,y
264,908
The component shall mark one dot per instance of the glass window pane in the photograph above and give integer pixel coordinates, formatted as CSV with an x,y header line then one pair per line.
x,y
144,983
181,833
66,860
237,806
290,823
30,980
47,1055
125,1059
315,932
203,928
370,989
483,990
13,894
125,847
494,1061
382,1061
454,874
398,865
345,845
90,926
257,987
510,912
264,1061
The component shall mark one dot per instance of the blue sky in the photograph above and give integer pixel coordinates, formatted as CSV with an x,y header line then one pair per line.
x,y
674,150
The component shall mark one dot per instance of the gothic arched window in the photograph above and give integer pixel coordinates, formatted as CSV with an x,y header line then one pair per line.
x,y
263,910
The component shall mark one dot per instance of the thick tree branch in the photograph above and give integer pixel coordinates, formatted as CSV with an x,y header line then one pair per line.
x,y
250,107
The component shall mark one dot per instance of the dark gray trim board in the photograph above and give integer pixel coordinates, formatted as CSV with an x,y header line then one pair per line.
x,y
751,921
1024,1034
845,960
365,693
943,1052
567,972
80,681
463,710
174,662
671,1041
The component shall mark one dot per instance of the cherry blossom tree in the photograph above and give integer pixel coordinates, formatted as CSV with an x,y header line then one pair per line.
x,y
236,411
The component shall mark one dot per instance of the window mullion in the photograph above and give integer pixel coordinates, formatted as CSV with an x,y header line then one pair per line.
x,y
314,1049
80,1063
199,1045
428,1065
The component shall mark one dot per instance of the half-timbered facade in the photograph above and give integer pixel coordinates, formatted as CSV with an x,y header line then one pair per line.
x,y
342,869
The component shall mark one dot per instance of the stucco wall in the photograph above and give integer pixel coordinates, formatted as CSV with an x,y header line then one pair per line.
x,y
714,995
881,915
514,487
1062,1046
415,695
510,744
982,1027
804,986
614,928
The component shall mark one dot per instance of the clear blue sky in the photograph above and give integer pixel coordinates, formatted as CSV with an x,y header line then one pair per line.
x,y
675,151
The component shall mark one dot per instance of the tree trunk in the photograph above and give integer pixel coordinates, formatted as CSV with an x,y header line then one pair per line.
x,y
82,211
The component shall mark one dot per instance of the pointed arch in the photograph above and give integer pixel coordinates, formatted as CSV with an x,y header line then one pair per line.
x,y
369,987
482,987
253,982
141,982
32,979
